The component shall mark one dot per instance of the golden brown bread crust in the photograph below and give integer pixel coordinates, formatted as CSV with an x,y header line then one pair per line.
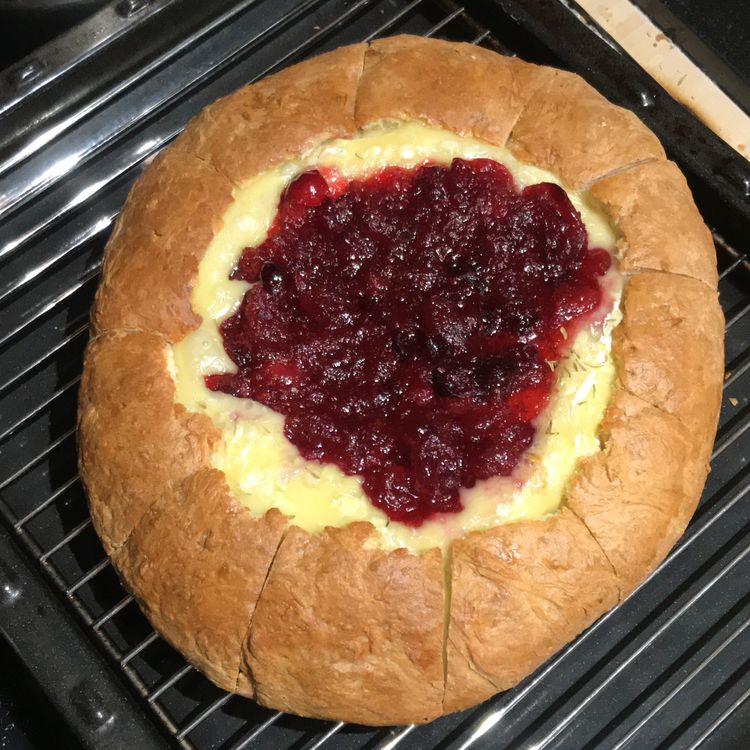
x,y
569,128
661,228
413,78
135,442
197,563
275,119
517,596
669,350
152,257
345,629
637,495
339,628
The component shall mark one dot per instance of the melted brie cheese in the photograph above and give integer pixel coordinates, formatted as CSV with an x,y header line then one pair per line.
x,y
264,470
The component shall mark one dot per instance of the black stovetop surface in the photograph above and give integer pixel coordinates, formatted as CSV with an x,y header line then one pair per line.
x,y
27,722
724,25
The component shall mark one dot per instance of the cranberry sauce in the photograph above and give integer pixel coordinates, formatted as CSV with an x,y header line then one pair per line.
x,y
405,324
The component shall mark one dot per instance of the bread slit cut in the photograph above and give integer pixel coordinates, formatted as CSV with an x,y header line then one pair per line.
x,y
277,118
661,228
196,565
568,128
644,485
127,415
518,592
669,351
410,78
245,679
346,628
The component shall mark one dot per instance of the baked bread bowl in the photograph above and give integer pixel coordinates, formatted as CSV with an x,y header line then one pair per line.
x,y
331,623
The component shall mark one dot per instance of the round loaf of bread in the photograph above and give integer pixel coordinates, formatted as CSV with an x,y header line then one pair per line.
x,y
330,622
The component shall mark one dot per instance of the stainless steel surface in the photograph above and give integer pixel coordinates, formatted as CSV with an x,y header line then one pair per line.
x,y
73,48
52,130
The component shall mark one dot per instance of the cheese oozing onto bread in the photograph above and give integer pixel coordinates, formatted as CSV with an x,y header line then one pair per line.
x,y
264,470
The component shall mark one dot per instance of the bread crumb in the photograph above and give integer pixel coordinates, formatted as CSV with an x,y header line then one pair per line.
x,y
733,401
727,375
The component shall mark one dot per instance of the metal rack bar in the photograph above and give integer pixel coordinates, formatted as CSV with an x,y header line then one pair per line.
x,y
738,316
724,442
175,677
721,719
18,525
69,537
681,685
391,22
38,458
40,311
393,741
39,361
39,409
444,22
88,575
318,742
727,248
203,715
479,38
734,264
110,613
737,373
257,731
147,641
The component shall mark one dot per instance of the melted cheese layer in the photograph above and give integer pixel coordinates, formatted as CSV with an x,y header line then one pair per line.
x,y
264,470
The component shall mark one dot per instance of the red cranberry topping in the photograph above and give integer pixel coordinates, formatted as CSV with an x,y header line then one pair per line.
x,y
404,324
